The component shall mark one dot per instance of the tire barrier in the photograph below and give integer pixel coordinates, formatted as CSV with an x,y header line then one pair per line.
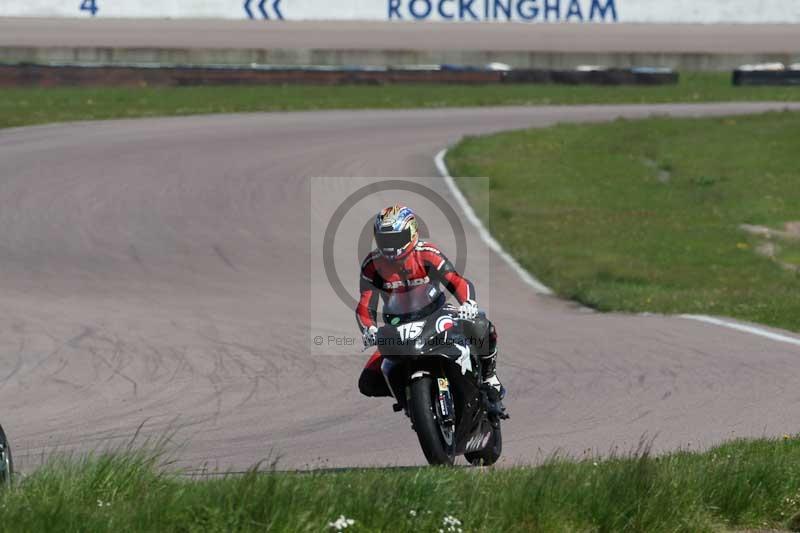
x,y
767,74
31,75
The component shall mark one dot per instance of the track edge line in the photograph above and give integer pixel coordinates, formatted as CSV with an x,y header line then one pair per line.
x,y
483,232
753,330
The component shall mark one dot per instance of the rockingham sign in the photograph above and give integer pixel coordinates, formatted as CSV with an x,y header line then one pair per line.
x,y
525,11
505,11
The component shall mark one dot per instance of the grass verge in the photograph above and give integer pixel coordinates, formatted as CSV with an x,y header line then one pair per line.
x,y
646,215
21,107
737,485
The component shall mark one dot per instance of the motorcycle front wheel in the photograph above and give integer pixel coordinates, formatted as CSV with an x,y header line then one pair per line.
x,y
435,437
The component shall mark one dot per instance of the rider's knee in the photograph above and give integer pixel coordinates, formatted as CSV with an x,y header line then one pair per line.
x,y
484,335
492,338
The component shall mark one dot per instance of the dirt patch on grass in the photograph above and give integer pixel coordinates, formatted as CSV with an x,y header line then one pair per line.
x,y
793,228
790,231
770,248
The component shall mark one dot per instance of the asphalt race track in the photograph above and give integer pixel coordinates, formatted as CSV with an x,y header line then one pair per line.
x,y
361,35
156,272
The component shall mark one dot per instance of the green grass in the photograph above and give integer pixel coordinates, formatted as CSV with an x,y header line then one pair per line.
x,y
645,215
737,485
20,107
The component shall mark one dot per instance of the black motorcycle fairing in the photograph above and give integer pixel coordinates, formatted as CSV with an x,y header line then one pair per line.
x,y
427,342
434,373
438,355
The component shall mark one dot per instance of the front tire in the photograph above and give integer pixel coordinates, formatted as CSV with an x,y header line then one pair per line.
x,y
427,423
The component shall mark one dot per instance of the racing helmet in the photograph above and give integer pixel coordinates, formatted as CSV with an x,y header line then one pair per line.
x,y
396,232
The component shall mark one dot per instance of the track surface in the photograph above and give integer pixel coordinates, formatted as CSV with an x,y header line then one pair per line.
x,y
595,38
156,271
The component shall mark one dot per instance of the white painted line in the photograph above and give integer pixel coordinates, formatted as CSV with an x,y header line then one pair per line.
x,y
485,236
744,328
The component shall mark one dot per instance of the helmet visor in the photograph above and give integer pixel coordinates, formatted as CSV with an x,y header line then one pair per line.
x,y
392,243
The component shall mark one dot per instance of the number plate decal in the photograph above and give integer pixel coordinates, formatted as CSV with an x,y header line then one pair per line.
x,y
410,331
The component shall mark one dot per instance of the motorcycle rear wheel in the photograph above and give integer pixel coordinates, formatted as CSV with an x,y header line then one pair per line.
x,y
427,423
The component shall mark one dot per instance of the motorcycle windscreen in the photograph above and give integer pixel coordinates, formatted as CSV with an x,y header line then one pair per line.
x,y
415,303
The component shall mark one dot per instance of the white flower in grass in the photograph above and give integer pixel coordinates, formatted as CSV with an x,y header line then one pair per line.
x,y
341,523
412,512
101,503
451,521
451,524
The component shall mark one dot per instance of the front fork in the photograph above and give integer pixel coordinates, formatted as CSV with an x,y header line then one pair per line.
x,y
445,403
444,398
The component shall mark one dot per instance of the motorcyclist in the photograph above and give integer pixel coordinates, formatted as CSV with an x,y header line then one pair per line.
x,y
403,267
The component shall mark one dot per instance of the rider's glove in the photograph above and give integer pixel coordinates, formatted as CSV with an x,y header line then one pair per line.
x,y
370,336
468,310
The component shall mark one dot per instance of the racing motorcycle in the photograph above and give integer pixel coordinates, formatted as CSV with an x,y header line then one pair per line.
x,y
436,379
6,464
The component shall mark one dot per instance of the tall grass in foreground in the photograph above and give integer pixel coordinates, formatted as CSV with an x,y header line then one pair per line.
x,y
740,484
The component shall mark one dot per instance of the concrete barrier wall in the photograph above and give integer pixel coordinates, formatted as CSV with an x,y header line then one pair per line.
x,y
533,11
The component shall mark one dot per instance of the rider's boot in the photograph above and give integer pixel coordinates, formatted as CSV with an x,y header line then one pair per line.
x,y
489,373
495,389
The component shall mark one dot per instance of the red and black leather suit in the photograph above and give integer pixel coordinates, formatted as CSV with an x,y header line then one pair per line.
x,y
426,266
